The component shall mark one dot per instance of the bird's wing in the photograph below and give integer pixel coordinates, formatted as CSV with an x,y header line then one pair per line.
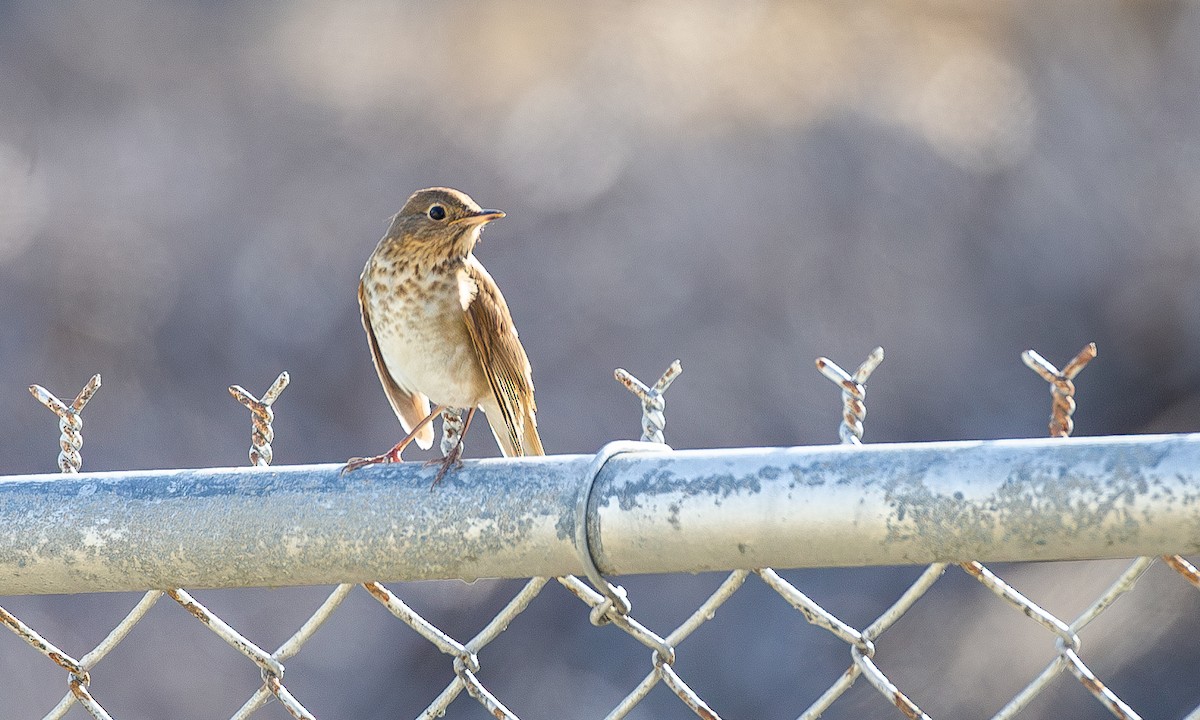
x,y
503,360
410,407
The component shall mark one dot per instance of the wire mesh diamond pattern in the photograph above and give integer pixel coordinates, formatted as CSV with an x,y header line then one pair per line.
x,y
608,604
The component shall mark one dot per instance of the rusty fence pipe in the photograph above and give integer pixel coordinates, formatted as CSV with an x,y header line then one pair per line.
x,y
681,511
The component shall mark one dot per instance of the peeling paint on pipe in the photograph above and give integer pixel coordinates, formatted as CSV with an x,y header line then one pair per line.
x,y
684,511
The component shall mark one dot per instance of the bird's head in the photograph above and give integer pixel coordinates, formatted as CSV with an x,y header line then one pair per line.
x,y
439,223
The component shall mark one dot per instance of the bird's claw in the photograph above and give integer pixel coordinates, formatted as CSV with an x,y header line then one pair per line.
x,y
353,464
359,462
453,459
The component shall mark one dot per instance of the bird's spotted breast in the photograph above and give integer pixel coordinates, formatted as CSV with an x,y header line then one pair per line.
x,y
422,334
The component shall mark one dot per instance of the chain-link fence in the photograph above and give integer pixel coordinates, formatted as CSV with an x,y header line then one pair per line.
x,y
632,508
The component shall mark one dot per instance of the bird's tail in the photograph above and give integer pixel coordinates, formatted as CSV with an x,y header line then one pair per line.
x,y
530,443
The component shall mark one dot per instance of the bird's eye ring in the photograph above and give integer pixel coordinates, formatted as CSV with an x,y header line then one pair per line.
x,y
437,212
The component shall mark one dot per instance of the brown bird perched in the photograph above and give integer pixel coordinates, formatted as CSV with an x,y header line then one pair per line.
x,y
440,331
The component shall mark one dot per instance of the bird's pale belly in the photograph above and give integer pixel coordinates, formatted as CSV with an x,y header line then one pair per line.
x,y
427,349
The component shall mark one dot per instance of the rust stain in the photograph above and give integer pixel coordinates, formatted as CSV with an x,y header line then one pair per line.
x,y
906,706
378,591
706,713
1092,684
192,607
196,611
67,663
1184,568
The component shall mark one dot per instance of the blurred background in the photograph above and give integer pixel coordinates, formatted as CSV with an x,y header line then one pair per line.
x,y
188,191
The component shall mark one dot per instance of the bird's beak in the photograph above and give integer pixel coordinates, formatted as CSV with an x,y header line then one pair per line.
x,y
483,216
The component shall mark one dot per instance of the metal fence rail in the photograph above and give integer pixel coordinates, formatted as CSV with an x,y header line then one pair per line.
x,y
631,508
648,510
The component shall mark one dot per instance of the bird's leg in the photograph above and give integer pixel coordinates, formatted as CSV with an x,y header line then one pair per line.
x,y
392,455
453,455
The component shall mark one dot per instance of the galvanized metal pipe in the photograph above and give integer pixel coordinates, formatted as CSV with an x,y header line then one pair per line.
x,y
658,511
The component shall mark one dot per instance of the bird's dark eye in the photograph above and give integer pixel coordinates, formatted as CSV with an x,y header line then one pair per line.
x,y
437,212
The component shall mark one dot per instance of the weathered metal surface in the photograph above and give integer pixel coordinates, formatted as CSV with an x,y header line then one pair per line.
x,y
274,526
1006,500
683,511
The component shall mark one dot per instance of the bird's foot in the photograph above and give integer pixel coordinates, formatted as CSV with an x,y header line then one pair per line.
x,y
453,459
353,464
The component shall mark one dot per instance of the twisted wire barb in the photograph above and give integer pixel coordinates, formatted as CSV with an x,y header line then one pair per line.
x,y
862,644
609,603
452,430
854,393
262,416
270,665
653,405
1062,390
69,461
70,422
466,661
616,601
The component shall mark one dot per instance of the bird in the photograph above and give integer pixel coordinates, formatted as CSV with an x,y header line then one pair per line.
x,y
441,332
